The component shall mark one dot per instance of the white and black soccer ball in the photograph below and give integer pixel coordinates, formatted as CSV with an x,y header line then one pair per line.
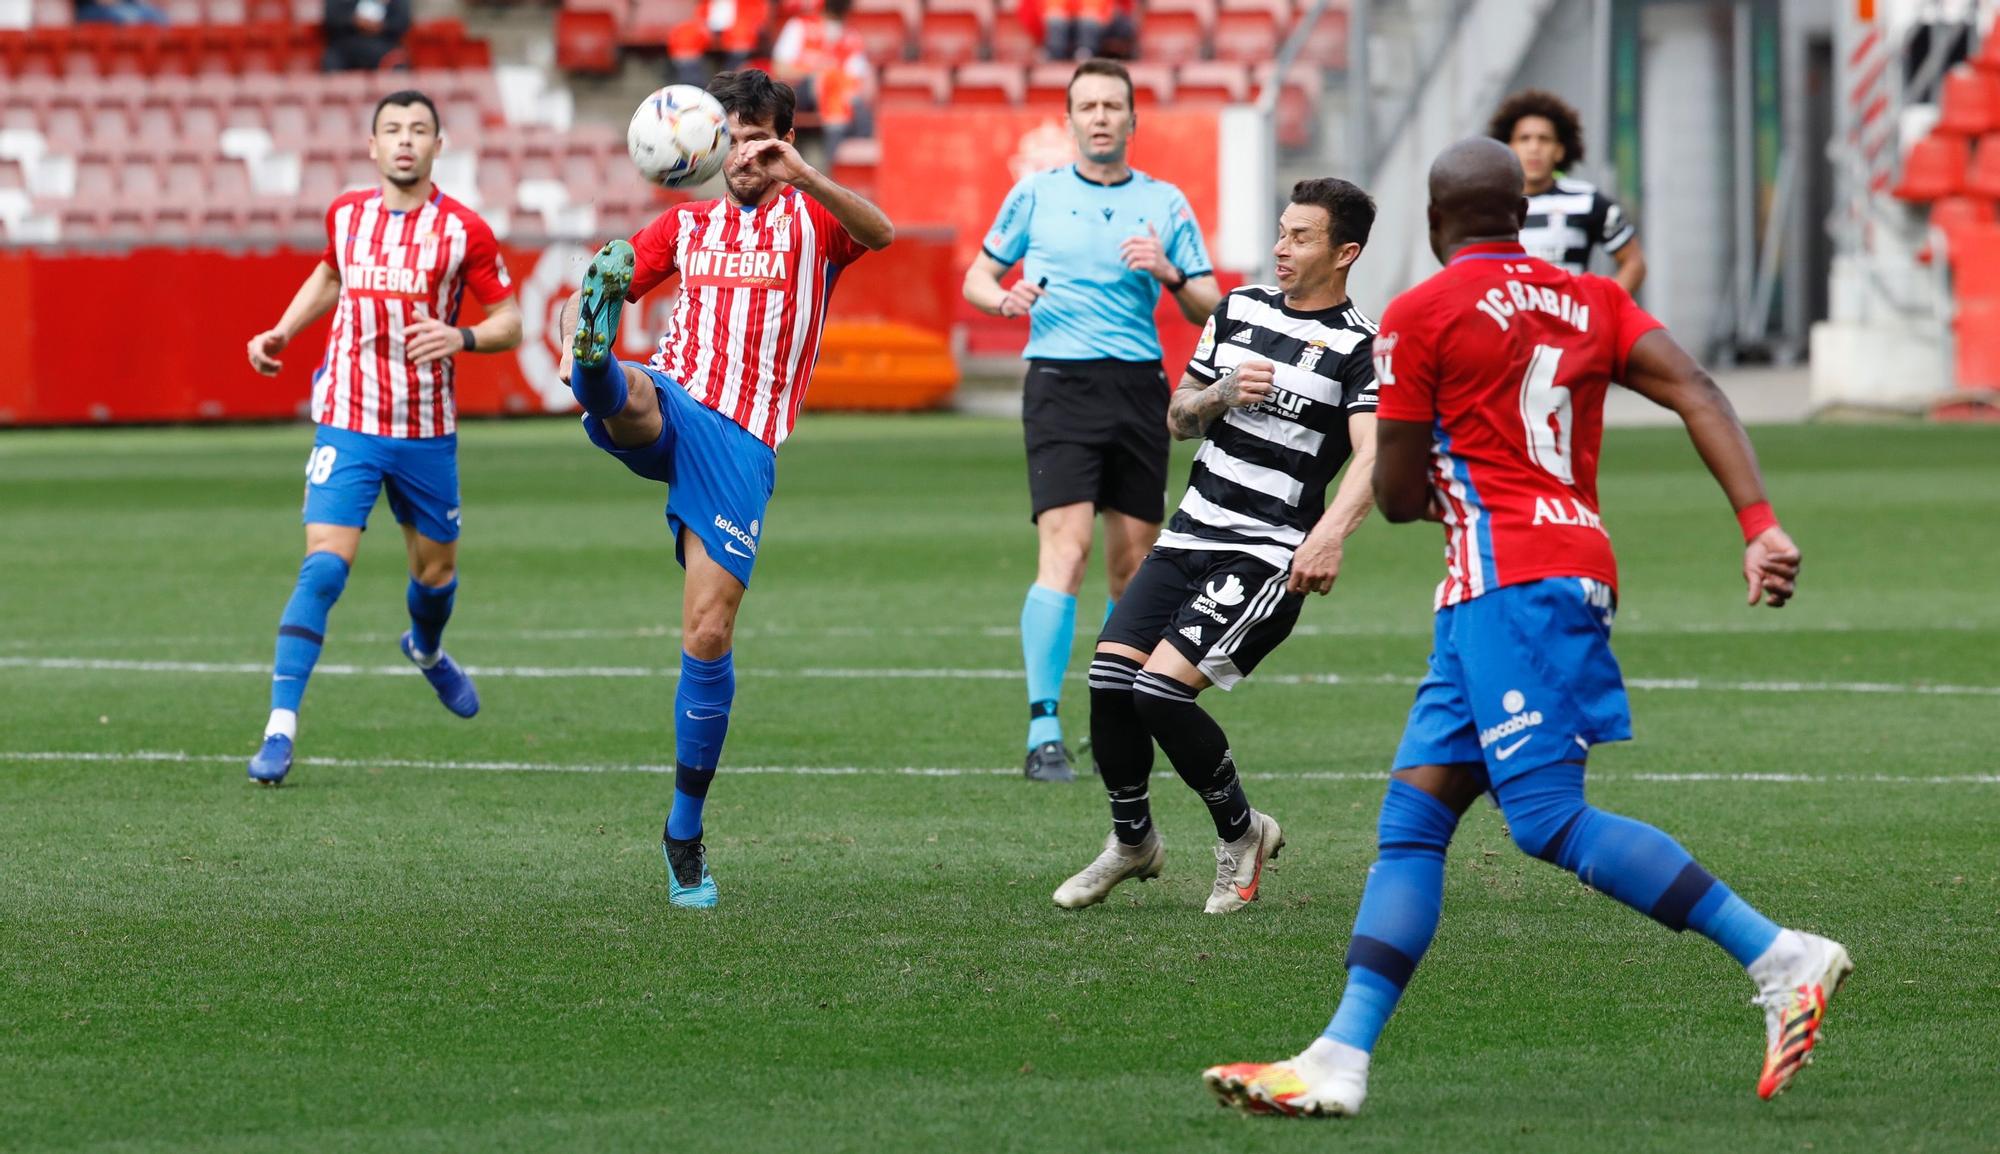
x,y
679,137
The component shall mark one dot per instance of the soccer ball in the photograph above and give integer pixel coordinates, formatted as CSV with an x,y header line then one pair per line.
x,y
679,136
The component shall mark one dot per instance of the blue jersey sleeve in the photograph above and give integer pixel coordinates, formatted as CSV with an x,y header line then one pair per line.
x,y
1007,240
1183,241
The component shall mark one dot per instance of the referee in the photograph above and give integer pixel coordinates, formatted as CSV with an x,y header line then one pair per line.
x,y
1097,242
1566,217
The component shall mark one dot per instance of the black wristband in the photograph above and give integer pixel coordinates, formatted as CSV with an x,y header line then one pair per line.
x,y
471,341
1180,281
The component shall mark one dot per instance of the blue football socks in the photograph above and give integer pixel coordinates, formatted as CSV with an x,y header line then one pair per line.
x,y
1629,860
302,629
1048,628
600,389
1398,915
701,722
430,609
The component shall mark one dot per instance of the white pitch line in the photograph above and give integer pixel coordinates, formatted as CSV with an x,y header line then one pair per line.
x,y
823,673
175,757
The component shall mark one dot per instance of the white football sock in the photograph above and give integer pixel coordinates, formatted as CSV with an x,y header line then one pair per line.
x,y
1325,1056
1779,965
284,722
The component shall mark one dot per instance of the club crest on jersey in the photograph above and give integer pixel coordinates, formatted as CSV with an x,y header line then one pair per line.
x,y
1309,359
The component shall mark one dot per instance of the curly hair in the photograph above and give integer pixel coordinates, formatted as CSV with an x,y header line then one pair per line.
x,y
1548,106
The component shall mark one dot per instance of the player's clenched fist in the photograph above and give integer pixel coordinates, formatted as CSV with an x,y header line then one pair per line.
x,y
1771,567
430,339
1249,384
1020,298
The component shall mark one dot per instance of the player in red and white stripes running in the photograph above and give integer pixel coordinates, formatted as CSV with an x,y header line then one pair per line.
x,y
722,392
397,263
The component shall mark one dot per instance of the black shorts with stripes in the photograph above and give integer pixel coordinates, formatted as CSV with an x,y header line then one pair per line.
x,y
1224,611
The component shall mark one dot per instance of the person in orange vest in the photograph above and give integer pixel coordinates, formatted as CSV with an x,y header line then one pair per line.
x,y
728,27
828,65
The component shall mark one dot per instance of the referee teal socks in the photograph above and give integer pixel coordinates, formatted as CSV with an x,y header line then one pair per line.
x,y
1048,629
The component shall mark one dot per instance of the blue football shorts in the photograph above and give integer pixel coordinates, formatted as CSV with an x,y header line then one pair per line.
x,y
348,470
1520,678
718,477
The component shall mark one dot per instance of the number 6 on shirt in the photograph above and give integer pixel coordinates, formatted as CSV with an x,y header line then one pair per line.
x,y
1545,409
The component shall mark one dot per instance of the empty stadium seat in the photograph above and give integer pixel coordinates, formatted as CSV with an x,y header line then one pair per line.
x,y
856,163
951,32
1952,218
1969,102
1326,45
1010,41
990,84
1048,83
587,41
1246,30
916,83
1212,82
1934,169
1176,31
1152,84
1982,177
1298,101
884,28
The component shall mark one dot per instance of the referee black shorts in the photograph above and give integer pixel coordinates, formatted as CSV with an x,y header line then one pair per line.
x,y
1097,433
1224,611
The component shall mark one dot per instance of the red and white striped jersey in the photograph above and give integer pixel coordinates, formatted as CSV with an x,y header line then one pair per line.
x,y
754,286
396,268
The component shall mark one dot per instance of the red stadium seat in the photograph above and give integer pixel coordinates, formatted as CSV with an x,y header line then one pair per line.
x,y
1049,83
1176,31
1246,31
1152,84
1298,101
651,20
990,84
109,121
884,28
1970,102
12,175
915,83
1216,82
951,32
1934,169
52,13
856,163
186,174
63,123
1011,42
1950,219
83,222
1982,178
96,177
587,41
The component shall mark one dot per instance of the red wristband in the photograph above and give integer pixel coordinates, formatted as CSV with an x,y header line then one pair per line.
x,y
1755,519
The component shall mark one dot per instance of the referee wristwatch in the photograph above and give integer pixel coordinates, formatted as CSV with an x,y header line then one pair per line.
x,y
1178,283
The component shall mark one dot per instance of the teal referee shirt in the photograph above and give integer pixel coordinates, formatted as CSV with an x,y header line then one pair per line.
x,y
1059,226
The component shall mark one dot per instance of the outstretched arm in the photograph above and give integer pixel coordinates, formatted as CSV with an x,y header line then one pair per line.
x,y
1194,405
1660,370
319,293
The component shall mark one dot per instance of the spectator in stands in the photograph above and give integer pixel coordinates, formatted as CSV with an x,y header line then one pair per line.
x,y
1073,29
827,65
118,12
366,35
730,28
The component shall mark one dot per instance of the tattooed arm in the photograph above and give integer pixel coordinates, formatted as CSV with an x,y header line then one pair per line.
x,y
1194,405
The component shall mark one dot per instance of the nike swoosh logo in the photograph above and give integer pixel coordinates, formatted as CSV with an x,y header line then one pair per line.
x,y
1507,751
693,716
283,677
730,547
1249,893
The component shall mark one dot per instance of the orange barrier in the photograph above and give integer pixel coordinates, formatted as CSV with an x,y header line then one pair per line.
x,y
169,346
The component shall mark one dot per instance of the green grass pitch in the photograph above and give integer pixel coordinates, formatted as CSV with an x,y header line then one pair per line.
x,y
449,935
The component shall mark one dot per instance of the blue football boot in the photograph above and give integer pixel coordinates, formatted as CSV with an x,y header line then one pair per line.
x,y
689,885
273,760
453,685
601,302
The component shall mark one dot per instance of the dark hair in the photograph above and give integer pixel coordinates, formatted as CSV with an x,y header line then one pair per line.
x,y
1548,106
1351,212
755,98
1101,68
406,97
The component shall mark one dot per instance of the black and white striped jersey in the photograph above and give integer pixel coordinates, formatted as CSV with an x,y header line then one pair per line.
x,y
1570,219
1259,479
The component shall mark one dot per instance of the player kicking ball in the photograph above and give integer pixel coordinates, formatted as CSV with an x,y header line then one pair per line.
x,y
1493,374
398,260
1282,392
707,414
